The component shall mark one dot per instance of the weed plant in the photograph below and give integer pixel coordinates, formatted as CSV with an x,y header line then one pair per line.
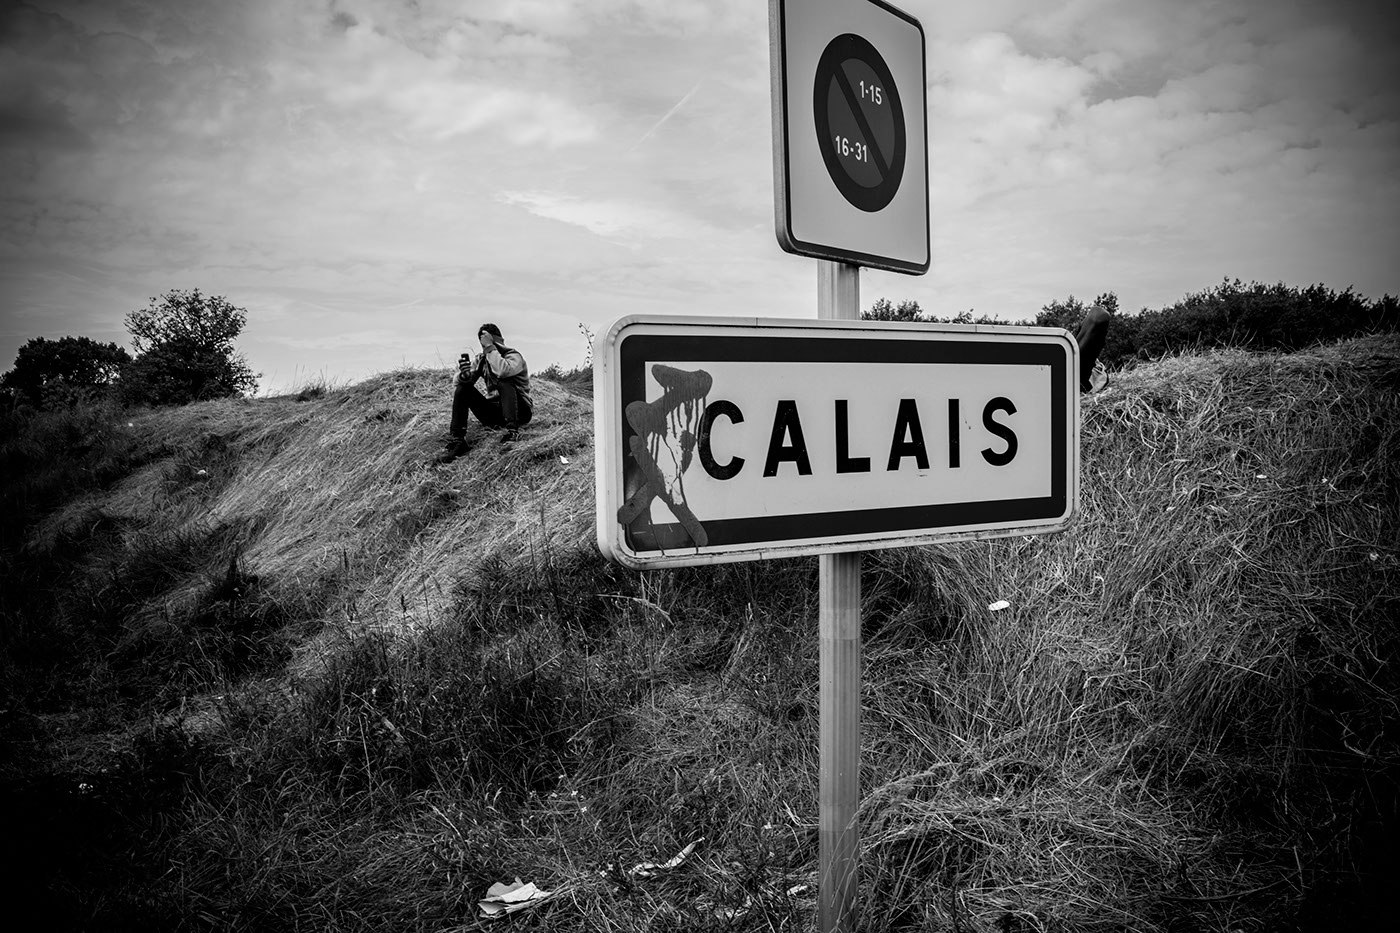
x,y
337,686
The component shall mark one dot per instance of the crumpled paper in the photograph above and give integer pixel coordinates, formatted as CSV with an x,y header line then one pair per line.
x,y
504,899
647,869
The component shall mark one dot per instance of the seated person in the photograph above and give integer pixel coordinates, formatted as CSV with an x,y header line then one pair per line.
x,y
506,401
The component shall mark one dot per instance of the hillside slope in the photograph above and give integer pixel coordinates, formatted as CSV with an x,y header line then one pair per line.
x,y
340,494
335,684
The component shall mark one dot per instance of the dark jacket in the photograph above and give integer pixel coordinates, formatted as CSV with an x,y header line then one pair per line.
x,y
497,365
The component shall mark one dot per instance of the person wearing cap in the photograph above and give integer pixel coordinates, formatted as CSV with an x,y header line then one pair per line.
x,y
505,403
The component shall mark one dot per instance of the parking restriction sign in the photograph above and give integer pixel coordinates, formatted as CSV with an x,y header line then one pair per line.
x,y
857,108
850,152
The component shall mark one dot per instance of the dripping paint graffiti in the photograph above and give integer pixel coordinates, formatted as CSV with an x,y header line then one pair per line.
x,y
663,448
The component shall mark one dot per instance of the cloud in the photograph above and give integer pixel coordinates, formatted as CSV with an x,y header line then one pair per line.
x,y
463,81
1002,96
353,166
34,123
604,218
570,18
36,55
446,109
1133,145
343,21
357,339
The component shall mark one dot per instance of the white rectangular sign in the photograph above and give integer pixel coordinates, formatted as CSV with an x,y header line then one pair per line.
x,y
740,438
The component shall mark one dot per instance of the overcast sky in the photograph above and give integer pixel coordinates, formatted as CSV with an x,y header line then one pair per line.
x,y
372,179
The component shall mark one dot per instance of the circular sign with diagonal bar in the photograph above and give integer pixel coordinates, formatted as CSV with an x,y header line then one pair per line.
x,y
850,138
859,121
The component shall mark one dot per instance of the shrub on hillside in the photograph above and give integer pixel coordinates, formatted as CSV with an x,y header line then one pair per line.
x,y
184,342
178,373
1261,317
50,456
1253,317
909,312
62,372
885,310
576,378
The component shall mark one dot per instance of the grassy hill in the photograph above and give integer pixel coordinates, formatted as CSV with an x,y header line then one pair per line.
x,y
266,666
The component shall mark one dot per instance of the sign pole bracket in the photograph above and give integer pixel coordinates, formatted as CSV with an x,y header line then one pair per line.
x,y
838,298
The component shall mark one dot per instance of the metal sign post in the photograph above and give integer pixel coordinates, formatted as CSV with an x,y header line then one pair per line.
x,y
838,298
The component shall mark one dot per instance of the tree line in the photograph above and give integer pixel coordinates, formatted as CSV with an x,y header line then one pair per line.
x,y
1254,317
184,340
184,343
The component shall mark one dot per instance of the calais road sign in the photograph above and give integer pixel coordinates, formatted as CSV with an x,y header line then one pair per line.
x,y
740,438
850,146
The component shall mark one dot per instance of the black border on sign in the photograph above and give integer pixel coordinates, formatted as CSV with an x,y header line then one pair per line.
x,y
636,350
782,185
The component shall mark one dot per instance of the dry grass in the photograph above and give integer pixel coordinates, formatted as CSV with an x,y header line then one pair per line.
x,y
370,686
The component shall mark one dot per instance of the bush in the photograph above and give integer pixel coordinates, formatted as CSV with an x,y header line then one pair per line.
x,y
63,372
1261,317
177,374
185,345
48,457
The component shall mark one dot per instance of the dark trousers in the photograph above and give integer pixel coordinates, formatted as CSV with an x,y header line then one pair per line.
x,y
1090,335
504,411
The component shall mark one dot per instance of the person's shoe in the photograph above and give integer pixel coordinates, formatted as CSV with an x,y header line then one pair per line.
x,y
509,435
1098,378
1097,381
454,450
